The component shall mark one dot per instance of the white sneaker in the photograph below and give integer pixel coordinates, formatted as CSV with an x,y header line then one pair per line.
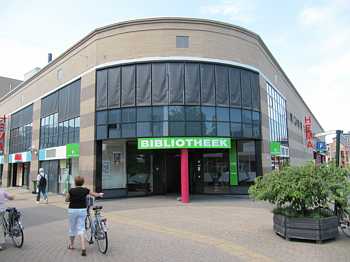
x,y
37,202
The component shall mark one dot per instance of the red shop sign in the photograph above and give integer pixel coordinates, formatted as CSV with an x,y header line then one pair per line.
x,y
308,132
18,157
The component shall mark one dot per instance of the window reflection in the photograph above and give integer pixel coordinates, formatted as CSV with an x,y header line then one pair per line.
x,y
216,172
177,121
140,179
247,166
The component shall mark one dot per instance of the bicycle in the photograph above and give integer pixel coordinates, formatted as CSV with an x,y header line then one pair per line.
x,y
13,226
96,228
344,219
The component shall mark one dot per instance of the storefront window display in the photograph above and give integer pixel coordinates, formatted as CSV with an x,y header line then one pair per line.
x,y
247,162
113,165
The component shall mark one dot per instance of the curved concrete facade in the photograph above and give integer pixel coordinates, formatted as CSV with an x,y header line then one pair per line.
x,y
155,40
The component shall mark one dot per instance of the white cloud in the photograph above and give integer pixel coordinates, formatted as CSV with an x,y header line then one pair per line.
x,y
19,58
315,16
236,10
324,80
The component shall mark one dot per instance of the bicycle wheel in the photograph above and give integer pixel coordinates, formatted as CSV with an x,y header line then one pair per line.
x,y
88,229
101,238
345,224
16,234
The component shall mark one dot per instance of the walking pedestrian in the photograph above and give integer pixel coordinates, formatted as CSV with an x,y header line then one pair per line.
x,y
77,212
41,180
3,197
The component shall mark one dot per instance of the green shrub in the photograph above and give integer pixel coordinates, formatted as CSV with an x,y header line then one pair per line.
x,y
307,191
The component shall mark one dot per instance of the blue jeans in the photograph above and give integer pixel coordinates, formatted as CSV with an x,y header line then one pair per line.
x,y
76,221
43,192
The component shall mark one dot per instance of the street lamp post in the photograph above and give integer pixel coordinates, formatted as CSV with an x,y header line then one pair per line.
x,y
337,147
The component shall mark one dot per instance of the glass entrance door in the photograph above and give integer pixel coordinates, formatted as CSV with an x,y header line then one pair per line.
x,y
172,174
26,175
158,171
51,169
216,172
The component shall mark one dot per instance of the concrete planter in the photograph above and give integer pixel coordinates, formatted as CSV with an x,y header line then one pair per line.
x,y
306,228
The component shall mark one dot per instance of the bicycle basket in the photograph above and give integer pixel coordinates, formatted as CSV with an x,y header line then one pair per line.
x,y
14,214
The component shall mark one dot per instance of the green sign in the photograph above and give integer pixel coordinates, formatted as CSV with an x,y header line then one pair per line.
x,y
233,165
72,150
183,142
275,148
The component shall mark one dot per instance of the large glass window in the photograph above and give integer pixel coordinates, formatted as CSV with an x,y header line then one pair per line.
x,y
53,134
247,166
175,121
114,116
208,113
178,98
160,129
216,172
193,128
223,128
160,113
223,114
277,115
113,165
144,114
128,130
176,113
144,129
193,113
177,129
21,139
128,115
209,128
140,179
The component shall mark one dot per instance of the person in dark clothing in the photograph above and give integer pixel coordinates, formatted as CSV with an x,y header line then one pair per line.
x,y
41,184
77,212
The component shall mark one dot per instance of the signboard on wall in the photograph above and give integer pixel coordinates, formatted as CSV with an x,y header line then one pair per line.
x,y
183,142
321,146
275,148
20,157
52,153
2,133
233,165
73,150
308,132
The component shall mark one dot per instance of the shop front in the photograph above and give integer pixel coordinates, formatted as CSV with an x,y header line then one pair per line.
x,y
177,126
19,169
279,154
61,164
177,165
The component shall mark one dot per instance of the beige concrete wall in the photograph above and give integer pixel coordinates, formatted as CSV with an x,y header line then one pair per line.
x,y
34,165
87,163
155,38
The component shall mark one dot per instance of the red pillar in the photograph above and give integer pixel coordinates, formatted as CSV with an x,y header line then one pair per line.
x,y
185,190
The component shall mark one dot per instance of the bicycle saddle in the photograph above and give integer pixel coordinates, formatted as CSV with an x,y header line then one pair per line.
x,y
97,208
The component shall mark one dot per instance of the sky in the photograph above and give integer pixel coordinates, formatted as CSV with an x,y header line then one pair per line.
x,y
309,39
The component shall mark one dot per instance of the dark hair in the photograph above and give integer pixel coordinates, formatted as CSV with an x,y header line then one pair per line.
x,y
79,180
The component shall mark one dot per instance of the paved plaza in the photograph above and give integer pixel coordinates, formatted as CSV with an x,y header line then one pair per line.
x,y
159,228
